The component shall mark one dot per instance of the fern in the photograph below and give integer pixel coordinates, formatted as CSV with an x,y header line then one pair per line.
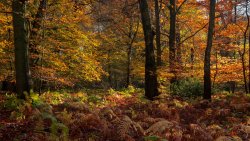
x,y
108,114
59,130
65,117
159,127
153,138
126,126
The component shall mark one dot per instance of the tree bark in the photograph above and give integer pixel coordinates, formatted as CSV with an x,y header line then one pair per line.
x,y
245,39
178,46
21,48
244,52
216,68
172,38
158,33
207,70
151,89
129,55
249,59
36,26
132,36
235,11
192,58
244,71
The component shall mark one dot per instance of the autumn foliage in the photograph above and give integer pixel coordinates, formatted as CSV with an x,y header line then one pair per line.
x,y
124,70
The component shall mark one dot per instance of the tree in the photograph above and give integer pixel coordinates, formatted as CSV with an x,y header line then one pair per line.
x,y
172,37
21,47
207,70
244,51
35,40
36,26
158,33
132,35
151,89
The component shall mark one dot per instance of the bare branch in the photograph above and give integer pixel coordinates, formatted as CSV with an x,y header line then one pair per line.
x,y
193,34
6,12
178,9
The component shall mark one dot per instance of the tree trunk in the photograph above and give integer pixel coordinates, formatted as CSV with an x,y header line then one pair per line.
x,y
207,71
129,55
151,89
249,60
245,36
244,51
37,23
21,48
235,11
158,33
244,71
109,70
172,38
35,39
216,68
132,36
178,45
192,58
36,26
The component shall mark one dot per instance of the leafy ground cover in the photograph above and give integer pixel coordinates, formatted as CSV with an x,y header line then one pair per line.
x,y
98,115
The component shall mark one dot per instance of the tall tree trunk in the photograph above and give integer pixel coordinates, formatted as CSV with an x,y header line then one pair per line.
x,y
230,12
7,45
35,39
178,45
37,23
132,36
216,68
21,48
235,11
158,33
244,71
247,88
245,38
249,59
129,55
151,89
36,26
109,69
192,58
172,38
207,70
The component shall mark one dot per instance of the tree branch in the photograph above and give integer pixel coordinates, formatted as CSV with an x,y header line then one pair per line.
x,y
178,9
6,12
193,34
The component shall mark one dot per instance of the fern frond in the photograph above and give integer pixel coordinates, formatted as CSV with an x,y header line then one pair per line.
x,y
159,127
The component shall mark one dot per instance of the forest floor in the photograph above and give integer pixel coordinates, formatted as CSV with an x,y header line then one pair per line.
x,y
98,115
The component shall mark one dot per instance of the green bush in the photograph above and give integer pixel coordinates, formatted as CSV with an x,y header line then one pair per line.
x,y
187,87
93,98
125,91
12,102
154,138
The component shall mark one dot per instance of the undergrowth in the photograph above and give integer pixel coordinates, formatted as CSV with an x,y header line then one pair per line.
x,y
187,88
126,116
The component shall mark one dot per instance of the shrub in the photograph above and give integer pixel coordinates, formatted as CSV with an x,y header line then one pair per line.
x,y
12,102
125,91
187,87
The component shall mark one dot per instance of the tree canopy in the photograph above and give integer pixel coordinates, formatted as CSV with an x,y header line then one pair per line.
x,y
141,69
